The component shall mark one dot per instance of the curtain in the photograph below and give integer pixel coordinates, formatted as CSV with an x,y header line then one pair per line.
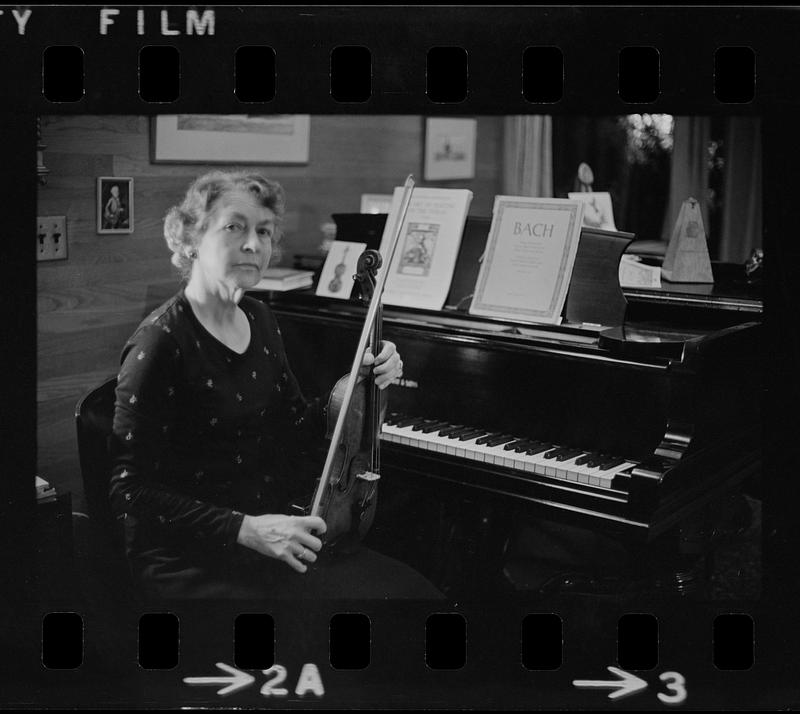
x,y
528,156
741,215
689,172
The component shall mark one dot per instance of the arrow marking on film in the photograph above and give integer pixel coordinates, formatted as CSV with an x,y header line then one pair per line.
x,y
238,679
626,685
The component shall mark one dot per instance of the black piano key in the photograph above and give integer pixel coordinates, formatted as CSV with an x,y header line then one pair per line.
x,y
436,426
450,429
606,465
535,443
486,438
538,449
597,459
518,445
471,434
568,454
458,432
554,452
393,417
497,440
409,421
588,456
421,425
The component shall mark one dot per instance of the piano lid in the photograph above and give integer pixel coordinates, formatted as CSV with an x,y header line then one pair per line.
x,y
641,341
731,292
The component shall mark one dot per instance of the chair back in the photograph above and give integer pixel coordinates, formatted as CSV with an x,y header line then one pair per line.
x,y
94,421
94,418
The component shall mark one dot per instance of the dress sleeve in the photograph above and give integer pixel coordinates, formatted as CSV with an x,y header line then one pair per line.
x,y
303,419
144,415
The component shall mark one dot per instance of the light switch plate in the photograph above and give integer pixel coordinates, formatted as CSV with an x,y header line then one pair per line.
x,y
51,238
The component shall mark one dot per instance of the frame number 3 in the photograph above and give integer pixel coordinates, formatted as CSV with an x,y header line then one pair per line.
x,y
675,683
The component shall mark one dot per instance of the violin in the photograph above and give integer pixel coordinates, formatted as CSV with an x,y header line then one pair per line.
x,y
347,491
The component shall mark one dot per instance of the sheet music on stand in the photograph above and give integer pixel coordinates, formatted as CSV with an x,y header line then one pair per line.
x,y
423,264
528,260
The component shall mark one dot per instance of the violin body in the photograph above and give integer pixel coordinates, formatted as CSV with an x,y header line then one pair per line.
x,y
348,507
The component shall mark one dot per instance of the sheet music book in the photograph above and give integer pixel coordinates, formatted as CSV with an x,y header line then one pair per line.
x,y
599,211
425,257
633,273
528,259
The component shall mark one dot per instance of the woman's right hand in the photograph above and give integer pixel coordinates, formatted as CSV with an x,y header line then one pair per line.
x,y
287,538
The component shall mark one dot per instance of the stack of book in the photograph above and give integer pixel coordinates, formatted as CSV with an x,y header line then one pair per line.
x,y
44,491
284,279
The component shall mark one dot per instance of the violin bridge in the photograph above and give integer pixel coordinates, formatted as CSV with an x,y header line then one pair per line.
x,y
369,476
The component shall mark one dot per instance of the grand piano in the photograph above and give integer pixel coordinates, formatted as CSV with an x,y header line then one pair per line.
x,y
636,419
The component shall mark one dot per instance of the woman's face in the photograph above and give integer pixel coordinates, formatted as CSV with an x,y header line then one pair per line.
x,y
237,244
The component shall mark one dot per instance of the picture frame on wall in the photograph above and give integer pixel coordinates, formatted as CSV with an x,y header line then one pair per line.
x,y
115,204
450,148
230,138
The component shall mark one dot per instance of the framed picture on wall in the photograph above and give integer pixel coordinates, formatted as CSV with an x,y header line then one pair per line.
x,y
114,204
450,148
230,138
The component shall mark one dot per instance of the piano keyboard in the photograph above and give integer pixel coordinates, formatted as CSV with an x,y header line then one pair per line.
x,y
525,455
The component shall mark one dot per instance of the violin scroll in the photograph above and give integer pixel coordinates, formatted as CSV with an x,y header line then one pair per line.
x,y
369,262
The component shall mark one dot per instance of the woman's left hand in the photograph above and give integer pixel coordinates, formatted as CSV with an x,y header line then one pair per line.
x,y
387,366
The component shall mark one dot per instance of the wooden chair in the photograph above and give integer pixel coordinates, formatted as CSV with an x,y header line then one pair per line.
x,y
94,416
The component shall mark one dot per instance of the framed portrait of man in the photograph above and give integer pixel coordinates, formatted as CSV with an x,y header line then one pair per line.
x,y
114,204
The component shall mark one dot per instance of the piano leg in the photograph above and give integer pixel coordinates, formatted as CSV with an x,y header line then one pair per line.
x,y
474,548
685,559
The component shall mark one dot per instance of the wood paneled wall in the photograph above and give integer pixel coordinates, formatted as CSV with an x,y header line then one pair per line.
x,y
89,304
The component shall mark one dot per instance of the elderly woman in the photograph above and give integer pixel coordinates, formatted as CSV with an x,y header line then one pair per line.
x,y
206,406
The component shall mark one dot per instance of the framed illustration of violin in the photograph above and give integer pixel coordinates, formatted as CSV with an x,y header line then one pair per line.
x,y
336,278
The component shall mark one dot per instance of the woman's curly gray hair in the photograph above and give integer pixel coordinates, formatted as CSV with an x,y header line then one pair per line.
x,y
185,223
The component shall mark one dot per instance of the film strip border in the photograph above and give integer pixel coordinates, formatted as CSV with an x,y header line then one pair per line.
x,y
395,654
590,44
444,647
397,59
447,74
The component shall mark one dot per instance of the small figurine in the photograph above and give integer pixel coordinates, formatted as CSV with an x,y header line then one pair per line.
x,y
753,266
584,179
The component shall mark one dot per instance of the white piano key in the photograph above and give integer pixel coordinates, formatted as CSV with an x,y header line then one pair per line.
x,y
568,469
472,449
500,456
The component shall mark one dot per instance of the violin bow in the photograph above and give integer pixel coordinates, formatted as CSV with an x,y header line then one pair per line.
x,y
316,504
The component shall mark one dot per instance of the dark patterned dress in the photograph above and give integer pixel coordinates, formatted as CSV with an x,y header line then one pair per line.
x,y
203,435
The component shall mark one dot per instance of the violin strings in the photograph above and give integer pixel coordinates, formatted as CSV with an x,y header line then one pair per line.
x,y
375,405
